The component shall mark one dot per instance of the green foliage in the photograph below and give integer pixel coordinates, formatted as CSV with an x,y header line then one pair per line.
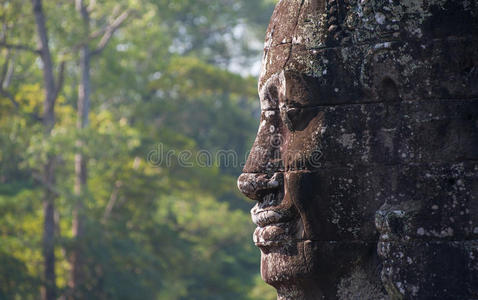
x,y
212,30
152,231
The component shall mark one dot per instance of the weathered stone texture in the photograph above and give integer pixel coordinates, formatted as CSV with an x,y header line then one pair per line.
x,y
365,164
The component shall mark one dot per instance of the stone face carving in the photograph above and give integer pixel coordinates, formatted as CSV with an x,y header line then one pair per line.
x,y
365,165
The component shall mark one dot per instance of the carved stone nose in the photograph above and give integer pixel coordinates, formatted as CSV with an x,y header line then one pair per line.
x,y
256,185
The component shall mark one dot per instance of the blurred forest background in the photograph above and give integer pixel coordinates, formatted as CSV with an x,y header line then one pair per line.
x,y
87,89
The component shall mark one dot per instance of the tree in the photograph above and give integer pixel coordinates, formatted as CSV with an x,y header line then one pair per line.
x,y
142,230
83,110
52,87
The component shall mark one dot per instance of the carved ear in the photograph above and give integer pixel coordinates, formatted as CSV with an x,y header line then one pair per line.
x,y
380,75
387,89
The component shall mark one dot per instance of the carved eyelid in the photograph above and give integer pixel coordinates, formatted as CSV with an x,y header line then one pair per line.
x,y
296,105
295,117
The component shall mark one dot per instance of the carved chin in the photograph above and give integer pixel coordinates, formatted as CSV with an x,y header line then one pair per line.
x,y
283,253
284,264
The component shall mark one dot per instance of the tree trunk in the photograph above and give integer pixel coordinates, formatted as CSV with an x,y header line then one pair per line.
x,y
81,161
77,276
84,91
49,289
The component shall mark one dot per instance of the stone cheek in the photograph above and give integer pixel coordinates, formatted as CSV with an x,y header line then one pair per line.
x,y
428,236
430,269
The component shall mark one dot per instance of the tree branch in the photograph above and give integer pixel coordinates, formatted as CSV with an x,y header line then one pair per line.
x,y
48,186
5,67
97,33
112,201
7,78
19,47
10,97
15,103
7,72
61,78
106,31
91,6
109,31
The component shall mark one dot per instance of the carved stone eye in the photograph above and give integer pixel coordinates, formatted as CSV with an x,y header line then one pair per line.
x,y
290,116
296,118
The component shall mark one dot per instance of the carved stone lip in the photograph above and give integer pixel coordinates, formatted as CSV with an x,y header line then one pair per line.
x,y
275,227
264,218
277,234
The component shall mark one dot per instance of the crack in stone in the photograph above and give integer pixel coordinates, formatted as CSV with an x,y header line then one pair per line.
x,y
293,33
